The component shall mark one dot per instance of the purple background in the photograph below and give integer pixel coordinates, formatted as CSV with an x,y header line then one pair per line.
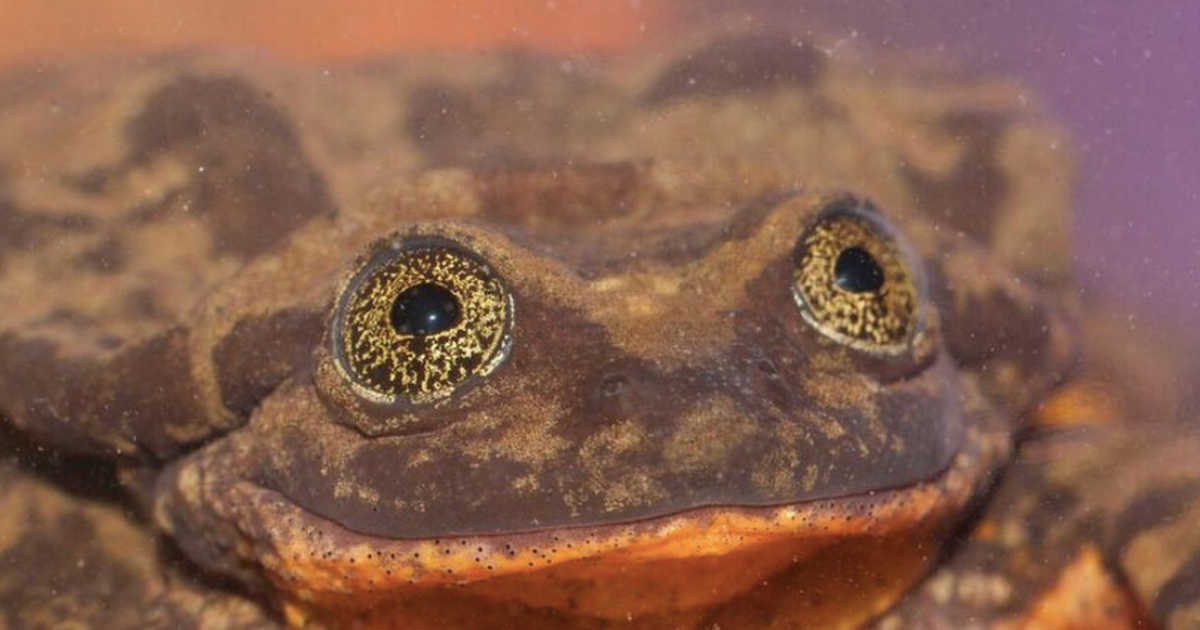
x,y
1123,76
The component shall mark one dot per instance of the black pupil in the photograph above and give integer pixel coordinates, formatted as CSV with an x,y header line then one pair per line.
x,y
424,310
856,271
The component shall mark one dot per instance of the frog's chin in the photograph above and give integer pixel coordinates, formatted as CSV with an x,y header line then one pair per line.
x,y
668,567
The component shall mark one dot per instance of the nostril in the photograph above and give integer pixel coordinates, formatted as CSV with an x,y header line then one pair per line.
x,y
767,367
613,384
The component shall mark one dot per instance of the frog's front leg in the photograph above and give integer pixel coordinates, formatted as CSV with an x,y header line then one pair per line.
x,y
71,559
1150,504
197,176
1093,528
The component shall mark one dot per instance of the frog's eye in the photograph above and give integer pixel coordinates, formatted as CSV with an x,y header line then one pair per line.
x,y
852,282
420,319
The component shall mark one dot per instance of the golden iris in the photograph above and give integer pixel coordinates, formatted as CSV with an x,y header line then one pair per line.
x,y
418,321
852,283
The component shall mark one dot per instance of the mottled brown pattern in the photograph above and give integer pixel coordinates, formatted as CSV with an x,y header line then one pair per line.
x,y
744,63
71,559
1058,507
444,122
252,179
975,177
258,354
668,443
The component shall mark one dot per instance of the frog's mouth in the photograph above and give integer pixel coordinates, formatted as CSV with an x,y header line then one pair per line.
x,y
811,560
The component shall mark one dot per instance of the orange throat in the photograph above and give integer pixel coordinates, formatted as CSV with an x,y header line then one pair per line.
x,y
827,564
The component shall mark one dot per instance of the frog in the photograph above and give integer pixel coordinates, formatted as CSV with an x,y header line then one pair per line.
x,y
753,332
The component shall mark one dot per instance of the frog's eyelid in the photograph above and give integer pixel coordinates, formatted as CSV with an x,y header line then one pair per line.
x,y
851,204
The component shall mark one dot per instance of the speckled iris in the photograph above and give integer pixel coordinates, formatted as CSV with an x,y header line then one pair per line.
x,y
417,322
852,283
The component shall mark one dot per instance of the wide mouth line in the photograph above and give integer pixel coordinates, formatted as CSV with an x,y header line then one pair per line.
x,y
324,559
307,549
657,522
640,523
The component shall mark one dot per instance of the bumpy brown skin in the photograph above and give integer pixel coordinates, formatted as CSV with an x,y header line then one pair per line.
x,y
668,445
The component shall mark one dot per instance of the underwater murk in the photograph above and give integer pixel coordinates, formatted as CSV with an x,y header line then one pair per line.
x,y
566,314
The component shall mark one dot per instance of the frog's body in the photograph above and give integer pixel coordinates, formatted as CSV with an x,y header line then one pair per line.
x,y
645,414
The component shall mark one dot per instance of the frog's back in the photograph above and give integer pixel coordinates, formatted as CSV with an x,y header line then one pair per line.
x,y
159,180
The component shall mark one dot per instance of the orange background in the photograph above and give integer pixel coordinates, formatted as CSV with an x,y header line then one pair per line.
x,y
334,29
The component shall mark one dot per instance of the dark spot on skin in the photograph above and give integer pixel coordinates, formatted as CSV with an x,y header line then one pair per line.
x,y
259,353
983,326
94,181
23,230
109,342
748,219
1051,520
1155,507
158,208
513,117
32,83
144,304
252,179
191,107
425,309
737,65
154,411
12,224
969,197
108,257
445,123
100,405
70,316
69,221
1183,589
584,195
516,196
65,556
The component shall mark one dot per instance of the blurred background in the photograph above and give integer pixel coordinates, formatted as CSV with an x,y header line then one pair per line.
x,y
1123,76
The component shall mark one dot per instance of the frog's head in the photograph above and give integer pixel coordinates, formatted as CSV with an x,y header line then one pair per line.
x,y
636,391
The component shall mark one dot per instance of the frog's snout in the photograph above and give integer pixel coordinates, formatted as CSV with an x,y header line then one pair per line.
x,y
751,378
